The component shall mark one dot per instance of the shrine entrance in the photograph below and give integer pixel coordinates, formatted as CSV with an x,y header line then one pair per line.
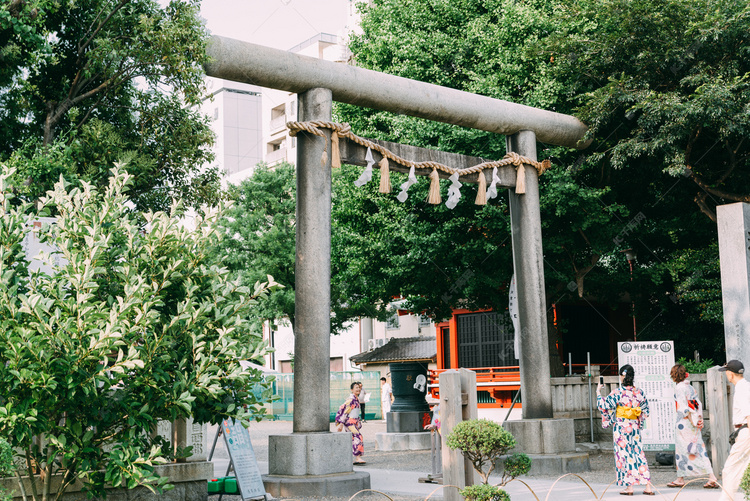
x,y
309,452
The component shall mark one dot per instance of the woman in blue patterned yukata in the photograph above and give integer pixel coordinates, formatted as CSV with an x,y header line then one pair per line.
x,y
691,457
350,417
626,410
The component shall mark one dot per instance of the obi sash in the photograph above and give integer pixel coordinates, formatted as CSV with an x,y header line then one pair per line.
x,y
628,412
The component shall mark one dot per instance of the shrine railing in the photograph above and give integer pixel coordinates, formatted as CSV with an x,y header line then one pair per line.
x,y
570,394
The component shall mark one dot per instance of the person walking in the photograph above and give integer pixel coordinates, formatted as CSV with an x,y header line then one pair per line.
x,y
385,396
691,457
739,454
626,410
349,416
364,397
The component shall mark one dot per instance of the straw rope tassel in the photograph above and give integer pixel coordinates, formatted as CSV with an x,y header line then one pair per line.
x,y
434,197
335,153
520,179
385,176
481,189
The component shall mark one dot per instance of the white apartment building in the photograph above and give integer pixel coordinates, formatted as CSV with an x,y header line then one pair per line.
x,y
280,107
235,110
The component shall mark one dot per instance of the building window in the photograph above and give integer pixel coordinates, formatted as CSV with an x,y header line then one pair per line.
x,y
485,340
337,364
392,321
424,321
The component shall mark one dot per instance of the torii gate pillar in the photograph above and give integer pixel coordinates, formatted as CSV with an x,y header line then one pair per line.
x,y
528,264
312,461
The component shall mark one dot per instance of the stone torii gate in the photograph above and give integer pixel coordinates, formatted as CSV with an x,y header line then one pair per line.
x,y
311,460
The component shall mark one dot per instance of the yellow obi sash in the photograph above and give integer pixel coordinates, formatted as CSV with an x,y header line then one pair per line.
x,y
628,412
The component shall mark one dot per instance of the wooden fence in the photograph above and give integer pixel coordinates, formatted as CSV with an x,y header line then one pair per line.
x,y
570,399
570,395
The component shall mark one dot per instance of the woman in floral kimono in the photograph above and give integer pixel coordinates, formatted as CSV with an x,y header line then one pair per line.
x,y
626,409
691,457
350,417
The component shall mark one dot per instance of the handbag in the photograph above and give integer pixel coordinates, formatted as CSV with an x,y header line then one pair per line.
x,y
733,436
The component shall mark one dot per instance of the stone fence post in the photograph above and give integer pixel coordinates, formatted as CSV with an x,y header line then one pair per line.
x,y
717,398
458,402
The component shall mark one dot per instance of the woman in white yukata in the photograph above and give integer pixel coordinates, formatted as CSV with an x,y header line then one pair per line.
x,y
691,457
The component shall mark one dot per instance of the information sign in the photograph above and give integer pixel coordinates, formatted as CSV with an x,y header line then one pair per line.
x,y
243,460
652,361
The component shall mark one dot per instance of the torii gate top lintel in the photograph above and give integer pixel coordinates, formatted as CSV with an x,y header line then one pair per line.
x,y
277,69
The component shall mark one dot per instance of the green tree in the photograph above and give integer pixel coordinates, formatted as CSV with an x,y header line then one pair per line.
x,y
260,235
664,88
87,83
260,229
463,258
128,326
662,85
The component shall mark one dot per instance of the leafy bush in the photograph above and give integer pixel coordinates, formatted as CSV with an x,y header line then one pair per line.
x,y
514,466
125,325
481,441
7,468
484,492
745,483
694,367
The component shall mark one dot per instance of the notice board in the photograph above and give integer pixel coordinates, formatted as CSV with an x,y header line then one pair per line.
x,y
652,361
243,459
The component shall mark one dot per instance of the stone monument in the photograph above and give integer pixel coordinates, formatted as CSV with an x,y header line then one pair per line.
x,y
733,221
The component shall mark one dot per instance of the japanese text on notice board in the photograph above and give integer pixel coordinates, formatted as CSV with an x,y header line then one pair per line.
x,y
652,361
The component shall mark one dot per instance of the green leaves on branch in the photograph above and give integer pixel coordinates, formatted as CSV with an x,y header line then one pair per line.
x,y
482,442
89,83
116,327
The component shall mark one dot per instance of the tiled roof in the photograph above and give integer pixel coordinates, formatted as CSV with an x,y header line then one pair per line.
x,y
400,349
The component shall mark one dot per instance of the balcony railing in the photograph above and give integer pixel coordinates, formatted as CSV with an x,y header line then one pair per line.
x,y
276,156
278,123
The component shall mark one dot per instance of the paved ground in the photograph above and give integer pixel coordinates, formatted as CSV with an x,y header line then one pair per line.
x,y
396,474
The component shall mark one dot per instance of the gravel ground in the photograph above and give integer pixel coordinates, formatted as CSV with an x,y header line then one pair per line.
x,y
602,462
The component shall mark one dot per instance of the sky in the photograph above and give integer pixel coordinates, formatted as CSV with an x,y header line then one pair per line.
x,y
280,24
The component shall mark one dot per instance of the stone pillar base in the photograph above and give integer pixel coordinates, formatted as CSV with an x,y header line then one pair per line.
x,y
408,421
551,445
403,441
543,436
312,465
550,465
317,486
298,454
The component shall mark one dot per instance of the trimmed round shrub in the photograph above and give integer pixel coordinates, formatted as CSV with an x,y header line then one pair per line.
x,y
745,483
516,465
481,437
481,441
484,492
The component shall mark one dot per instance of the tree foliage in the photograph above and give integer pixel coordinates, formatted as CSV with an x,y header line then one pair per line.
x,y
260,231
463,258
662,86
85,83
122,327
482,442
260,235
